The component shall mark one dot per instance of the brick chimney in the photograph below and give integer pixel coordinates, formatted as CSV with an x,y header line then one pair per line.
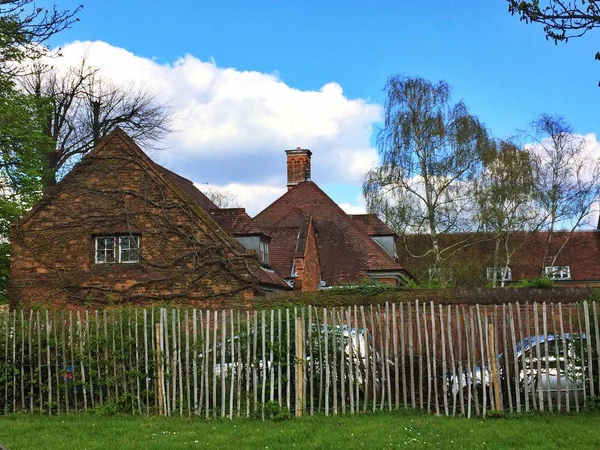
x,y
298,166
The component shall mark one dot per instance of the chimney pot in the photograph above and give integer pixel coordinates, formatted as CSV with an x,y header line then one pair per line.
x,y
298,166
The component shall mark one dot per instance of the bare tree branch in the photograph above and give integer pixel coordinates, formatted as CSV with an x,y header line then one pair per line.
x,y
86,107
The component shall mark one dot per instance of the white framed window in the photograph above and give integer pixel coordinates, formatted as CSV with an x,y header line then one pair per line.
x,y
558,272
129,249
264,256
489,273
117,249
106,249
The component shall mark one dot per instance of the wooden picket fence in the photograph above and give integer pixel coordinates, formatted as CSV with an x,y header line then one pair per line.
x,y
446,359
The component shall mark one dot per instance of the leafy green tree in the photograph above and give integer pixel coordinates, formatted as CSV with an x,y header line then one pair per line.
x,y
504,194
431,151
562,19
567,180
23,147
25,27
24,30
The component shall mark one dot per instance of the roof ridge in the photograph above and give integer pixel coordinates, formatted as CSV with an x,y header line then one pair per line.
x,y
375,257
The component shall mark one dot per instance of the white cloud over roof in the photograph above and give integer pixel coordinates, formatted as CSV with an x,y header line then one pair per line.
x,y
231,126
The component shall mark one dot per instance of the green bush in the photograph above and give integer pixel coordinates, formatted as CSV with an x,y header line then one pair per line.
x,y
536,283
592,404
123,405
273,411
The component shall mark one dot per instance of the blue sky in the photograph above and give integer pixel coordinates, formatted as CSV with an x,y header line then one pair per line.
x,y
505,71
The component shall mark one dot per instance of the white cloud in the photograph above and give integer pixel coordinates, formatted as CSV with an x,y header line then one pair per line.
x,y
232,125
358,206
353,209
253,197
586,160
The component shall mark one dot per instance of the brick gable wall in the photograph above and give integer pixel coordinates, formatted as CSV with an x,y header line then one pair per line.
x,y
185,258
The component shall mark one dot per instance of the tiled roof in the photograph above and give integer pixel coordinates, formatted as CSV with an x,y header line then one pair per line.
x,y
236,221
373,225
581,252
271,278
282,248
302,236
188,187
345,249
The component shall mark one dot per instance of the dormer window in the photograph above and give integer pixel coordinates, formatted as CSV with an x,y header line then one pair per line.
x,y
558,272
498,273
388,243
263,253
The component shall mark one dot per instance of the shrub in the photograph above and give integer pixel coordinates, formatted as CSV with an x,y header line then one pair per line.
x,y
592,404
536,283
272,411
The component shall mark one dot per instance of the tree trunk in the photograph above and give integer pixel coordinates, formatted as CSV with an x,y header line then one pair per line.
x,y
96,122
49,173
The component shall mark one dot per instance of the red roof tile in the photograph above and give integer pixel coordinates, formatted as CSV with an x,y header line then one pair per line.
x,y
373,225
188,187
581,252
345,249
236,221
282,248
271,278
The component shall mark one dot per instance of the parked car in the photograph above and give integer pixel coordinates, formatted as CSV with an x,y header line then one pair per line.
x,y
551,376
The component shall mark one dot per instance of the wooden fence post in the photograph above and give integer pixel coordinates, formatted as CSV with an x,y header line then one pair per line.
x,y
299,366
159,370
494,366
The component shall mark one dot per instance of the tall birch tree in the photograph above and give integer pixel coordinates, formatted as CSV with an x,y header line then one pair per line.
x,y
431,149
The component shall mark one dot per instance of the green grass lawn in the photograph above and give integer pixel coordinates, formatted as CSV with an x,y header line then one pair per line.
x,y
378,431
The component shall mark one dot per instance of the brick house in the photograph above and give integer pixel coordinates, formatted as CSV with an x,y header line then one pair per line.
x,y
120,228
314,243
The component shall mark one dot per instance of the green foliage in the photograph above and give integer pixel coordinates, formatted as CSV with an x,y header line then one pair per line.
x,y
536,283
367,286
427,284
561,19
24,27
431,149
592,404
272,411
23,147
595,295
123,405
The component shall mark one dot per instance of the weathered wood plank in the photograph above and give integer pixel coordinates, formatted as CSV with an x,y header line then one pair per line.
x,y
590,362
444,366
429,361
546,355
326,350
511,324
565,354
411,354
449,329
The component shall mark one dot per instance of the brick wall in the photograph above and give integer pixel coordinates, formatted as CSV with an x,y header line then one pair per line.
x,y
184,256
308,266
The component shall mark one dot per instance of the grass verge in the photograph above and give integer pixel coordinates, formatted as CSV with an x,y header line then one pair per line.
x,y
391,430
